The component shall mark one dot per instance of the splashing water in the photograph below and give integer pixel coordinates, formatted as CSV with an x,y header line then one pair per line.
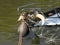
x,y
50,35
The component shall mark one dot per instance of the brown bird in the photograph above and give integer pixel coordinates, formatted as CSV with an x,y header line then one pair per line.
x,y
23,30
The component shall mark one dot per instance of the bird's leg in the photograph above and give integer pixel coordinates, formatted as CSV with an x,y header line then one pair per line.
x,y
20,39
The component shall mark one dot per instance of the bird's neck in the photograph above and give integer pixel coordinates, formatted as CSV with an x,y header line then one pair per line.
x,y
22,21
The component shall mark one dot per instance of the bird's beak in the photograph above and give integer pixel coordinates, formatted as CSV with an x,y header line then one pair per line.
x,y
19,19
41,17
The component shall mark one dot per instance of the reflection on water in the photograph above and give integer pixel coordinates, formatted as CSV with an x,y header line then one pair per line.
x,y
50,34
8,38
12,39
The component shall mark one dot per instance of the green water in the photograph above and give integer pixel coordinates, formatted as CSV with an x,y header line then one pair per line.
x,y
9,16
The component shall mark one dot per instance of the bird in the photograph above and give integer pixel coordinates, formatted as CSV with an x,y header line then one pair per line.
x,y
24,28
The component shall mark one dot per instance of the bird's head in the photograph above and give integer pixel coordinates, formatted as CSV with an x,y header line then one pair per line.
x,y
22,16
